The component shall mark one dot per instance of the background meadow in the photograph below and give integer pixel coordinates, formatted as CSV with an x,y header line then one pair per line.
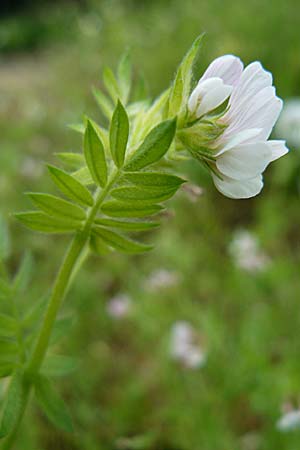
x,y
229,269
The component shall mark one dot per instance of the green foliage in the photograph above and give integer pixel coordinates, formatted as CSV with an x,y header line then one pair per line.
x,y
13,403
95,156
57,207
119,242
118,134
39,221
51,404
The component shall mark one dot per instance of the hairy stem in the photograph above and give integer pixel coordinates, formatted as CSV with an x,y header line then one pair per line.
x,y
62,282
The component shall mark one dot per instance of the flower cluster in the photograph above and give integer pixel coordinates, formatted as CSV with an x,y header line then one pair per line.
x,y
233,143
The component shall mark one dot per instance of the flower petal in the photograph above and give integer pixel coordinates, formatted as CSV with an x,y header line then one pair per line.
x,y
278,149
214,98
227,67
243,137
245,161
239,189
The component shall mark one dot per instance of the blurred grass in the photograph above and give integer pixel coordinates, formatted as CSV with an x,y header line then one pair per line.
x,y
128,393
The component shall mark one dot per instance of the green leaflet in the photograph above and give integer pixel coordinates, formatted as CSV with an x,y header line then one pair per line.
x,y
57,207
152,179
15,398
98,246
6,369
126,225
71,187
115,208
154,147
52,405
120,242
152,195
58,365
124,76
23,275
61,328
103,102
4,240
39,221
111,84
78,127
183,82
94,155
8,326
72,160
118,134
84,176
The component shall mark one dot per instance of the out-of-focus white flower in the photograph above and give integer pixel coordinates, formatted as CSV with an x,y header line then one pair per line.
x,y
161,278
289,421
184,346
288,125
238,157
119,306
245,250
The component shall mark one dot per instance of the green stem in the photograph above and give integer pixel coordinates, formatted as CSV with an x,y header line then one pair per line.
x,y
61,285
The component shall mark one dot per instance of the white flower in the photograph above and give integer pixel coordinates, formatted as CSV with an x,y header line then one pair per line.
x,y
288,125
245,250
289,421
119,306
184,347
243,151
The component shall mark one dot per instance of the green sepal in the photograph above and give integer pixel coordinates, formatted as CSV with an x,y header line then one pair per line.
x,y
200,134
119,242
114,208
71,160
58,365
154,147
14,403
126,225
52,405
39,221
71,187
57,207
118,134
95,155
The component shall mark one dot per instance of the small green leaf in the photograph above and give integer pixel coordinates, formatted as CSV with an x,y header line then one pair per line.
x,y
94,155
34,313
61,328
103,102
114,208
6,369
124,76
72,160
84,176
111,84
118,134
152,179
98,246
126,225
154,147
52,405
183,82
71,187
78,127
4,240
15,398
57,207
58,365
22,278
39,221
120,242
8,326
146,194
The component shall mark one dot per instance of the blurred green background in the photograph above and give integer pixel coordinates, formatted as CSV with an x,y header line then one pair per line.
x,y
128,392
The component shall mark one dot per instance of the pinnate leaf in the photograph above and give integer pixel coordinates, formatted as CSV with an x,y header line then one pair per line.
x,y
114,208
55,206
126,225
94,155
118,134
120,242
39,221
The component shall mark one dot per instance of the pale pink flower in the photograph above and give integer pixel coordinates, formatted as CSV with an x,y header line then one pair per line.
x,y
184,347
119,306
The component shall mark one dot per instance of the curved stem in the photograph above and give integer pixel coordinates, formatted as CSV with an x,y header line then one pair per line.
x,y
61,285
